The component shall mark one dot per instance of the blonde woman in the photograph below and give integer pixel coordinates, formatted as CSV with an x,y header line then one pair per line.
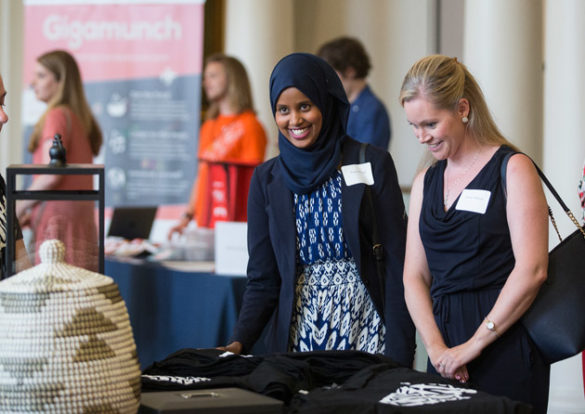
x,y
57,82
475,257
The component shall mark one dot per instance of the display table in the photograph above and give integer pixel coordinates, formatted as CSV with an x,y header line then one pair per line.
x,y
174,308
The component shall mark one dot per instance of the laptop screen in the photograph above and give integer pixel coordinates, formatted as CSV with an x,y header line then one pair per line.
x,y
132,222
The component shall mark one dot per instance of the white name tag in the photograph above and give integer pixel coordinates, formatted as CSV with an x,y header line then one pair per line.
x,y
358,174
475,201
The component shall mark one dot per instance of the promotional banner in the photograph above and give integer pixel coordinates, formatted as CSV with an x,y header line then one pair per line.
x,y
141,65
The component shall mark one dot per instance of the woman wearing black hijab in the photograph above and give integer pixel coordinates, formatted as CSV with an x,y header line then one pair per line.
x,y
312,274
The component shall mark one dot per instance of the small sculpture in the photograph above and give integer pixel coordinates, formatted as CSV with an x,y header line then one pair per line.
x,y
57,153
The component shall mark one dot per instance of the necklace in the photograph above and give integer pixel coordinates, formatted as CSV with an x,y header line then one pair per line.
x,y
457,182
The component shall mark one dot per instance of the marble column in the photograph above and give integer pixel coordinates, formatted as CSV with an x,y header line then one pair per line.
x,y
11,41
503,50
564,99
259,33
564,152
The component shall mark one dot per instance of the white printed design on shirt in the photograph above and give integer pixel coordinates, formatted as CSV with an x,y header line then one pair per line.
x,y
230,135
177,380
414,395
3,223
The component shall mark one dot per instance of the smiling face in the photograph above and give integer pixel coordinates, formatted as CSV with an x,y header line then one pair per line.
x,y
441,130
3,115
297,118
44,83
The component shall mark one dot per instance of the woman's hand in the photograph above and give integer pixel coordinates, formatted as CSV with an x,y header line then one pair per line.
x,y
235,348
460,374
179,227
22,260
435,353
23,213
25,219
452,362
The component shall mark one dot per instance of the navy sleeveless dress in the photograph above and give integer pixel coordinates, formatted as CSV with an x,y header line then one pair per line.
x,y
470,258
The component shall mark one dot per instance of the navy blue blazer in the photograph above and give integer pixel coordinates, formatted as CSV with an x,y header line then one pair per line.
x,y
270,289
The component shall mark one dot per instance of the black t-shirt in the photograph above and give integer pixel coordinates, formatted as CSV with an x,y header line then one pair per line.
x,y
325,382
17,231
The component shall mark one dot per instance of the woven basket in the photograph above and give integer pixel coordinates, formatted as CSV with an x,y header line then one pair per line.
x,y
66,344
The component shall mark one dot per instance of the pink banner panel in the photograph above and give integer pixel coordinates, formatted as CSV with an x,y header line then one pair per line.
x,y
118,41
141,64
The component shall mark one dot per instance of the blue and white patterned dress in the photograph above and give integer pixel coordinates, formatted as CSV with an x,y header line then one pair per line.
x,y
333,309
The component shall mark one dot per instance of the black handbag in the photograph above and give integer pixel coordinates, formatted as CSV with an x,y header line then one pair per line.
x,y
556,319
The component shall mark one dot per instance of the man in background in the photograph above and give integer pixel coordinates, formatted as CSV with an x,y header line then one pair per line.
x,y
368,119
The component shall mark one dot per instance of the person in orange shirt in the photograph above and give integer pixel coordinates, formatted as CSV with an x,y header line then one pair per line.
x,y
232,142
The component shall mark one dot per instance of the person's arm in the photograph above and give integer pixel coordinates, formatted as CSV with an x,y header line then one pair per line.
x,y
391,219
263,286
189,213
56,122
527,215
197,198
417,283
23,262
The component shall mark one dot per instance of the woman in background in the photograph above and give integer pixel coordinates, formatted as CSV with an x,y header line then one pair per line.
x,y
57,82
476,254
231,143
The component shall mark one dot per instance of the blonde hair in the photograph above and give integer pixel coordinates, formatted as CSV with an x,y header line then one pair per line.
x,y
69,94
239,92
444,81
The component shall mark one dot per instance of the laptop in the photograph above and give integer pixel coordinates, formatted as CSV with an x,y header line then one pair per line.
x,y
132,222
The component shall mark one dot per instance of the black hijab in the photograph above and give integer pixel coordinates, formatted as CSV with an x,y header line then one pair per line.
x,y
306,169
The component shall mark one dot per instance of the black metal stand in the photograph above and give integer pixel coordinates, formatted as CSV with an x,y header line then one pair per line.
x,y
46,195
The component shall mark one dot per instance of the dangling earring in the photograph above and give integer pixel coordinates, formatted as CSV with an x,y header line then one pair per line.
x,y
465,119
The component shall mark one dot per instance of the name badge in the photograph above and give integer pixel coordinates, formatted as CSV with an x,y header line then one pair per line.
x,y
475,201
358,174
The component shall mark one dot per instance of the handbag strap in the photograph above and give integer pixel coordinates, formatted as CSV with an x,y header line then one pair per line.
x,y
376,244
550,188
